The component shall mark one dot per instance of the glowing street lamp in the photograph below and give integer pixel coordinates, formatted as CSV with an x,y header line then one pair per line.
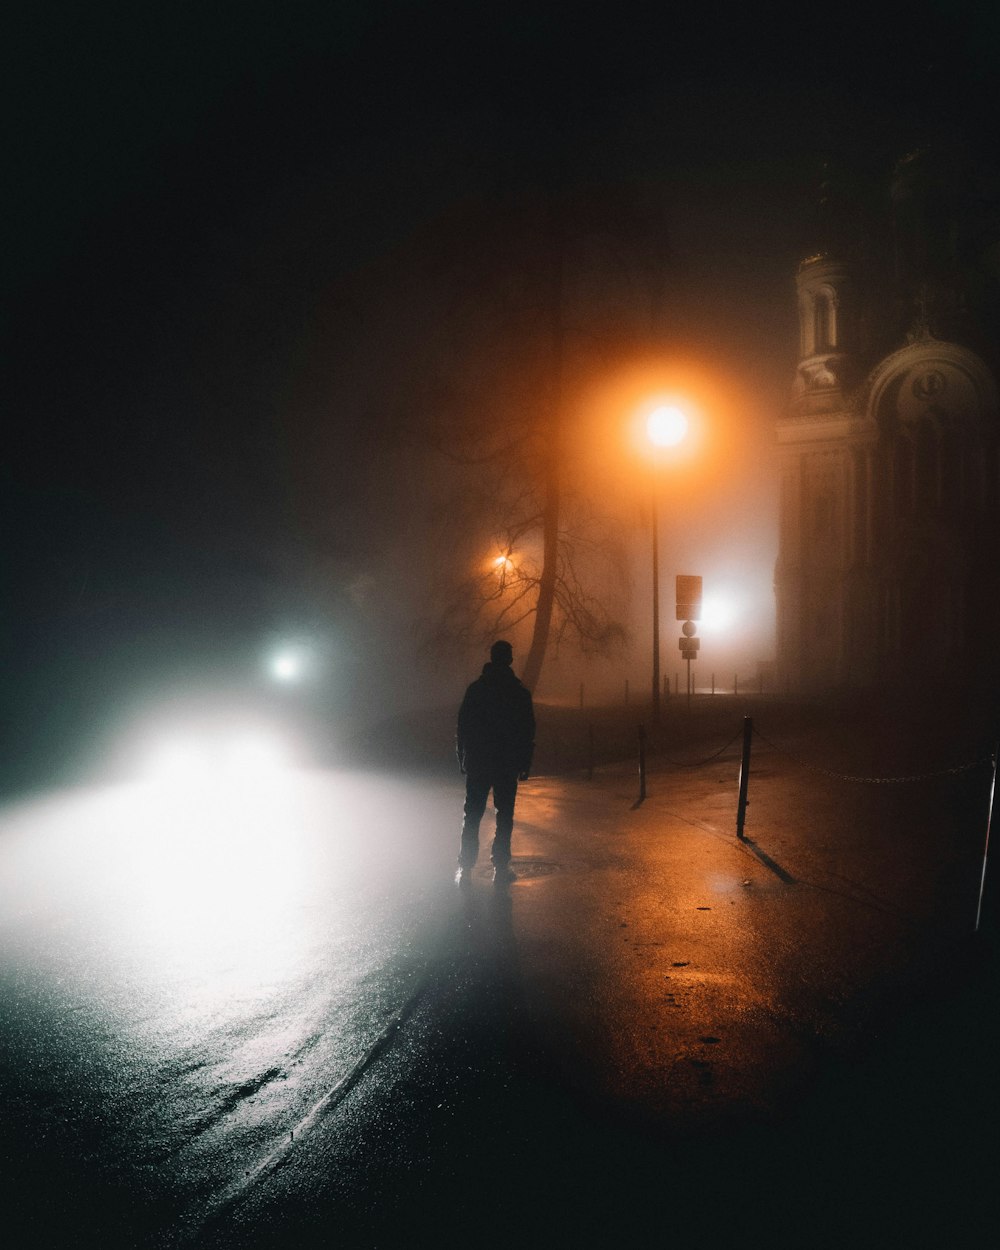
x,y
666,426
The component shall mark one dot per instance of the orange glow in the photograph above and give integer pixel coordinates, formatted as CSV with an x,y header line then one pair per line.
x,y
612,439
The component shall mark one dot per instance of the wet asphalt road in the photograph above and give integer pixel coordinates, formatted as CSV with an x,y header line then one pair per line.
x,y
184,976
263,1014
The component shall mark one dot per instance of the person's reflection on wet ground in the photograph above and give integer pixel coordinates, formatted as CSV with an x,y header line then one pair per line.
x,y
487,946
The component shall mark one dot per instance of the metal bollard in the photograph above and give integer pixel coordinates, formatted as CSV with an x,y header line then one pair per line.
x,y
986,846
741,810
642,762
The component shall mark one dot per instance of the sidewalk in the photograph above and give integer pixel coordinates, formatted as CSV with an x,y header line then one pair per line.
x,y
659,1035
802,1024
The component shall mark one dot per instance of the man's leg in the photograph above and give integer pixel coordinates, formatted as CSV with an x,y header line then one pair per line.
x,y
477,790
504,794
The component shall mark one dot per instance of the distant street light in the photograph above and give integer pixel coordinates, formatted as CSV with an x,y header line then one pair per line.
x,y
666,426
719,611
286,666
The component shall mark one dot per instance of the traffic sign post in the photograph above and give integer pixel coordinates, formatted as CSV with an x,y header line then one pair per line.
x,y
689,646
688,587
688,597
688,642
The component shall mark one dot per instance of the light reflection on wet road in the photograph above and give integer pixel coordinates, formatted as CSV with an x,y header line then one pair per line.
x,y
186,974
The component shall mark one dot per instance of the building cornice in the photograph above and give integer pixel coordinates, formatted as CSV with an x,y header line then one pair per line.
x,y
833,427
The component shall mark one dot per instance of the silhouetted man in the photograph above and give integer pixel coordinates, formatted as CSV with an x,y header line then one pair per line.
x,y
495,743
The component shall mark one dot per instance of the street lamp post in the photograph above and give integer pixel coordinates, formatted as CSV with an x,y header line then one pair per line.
x,y
656,610
665,427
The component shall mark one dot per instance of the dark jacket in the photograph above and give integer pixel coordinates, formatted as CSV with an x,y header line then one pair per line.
x,y
496,724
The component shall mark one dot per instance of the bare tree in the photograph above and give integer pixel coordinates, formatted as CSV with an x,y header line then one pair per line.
x,y
532,308
499,593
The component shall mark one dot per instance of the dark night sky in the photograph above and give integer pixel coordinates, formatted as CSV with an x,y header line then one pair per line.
x,y
197,195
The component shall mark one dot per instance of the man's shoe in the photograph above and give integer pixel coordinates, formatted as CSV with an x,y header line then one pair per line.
x,y
503,874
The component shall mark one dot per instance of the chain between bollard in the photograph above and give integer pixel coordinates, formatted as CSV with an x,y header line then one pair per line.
x,y
642,737
952,771
708,758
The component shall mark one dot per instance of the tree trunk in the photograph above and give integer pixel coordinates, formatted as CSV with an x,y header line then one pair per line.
x,y
552,443
546,582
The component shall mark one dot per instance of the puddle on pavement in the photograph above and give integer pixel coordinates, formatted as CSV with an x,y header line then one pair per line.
x,y
525,869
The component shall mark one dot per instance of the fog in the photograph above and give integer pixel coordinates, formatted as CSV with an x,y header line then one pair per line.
x,y
272,278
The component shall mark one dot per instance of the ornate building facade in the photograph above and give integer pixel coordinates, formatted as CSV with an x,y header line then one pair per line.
x,y
890,501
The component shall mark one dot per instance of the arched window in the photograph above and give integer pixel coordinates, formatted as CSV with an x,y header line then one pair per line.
x,y
950,476
824,321
807,327
927,452
903,465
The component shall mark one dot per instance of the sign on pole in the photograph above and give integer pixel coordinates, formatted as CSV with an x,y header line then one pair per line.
x,y
688,597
